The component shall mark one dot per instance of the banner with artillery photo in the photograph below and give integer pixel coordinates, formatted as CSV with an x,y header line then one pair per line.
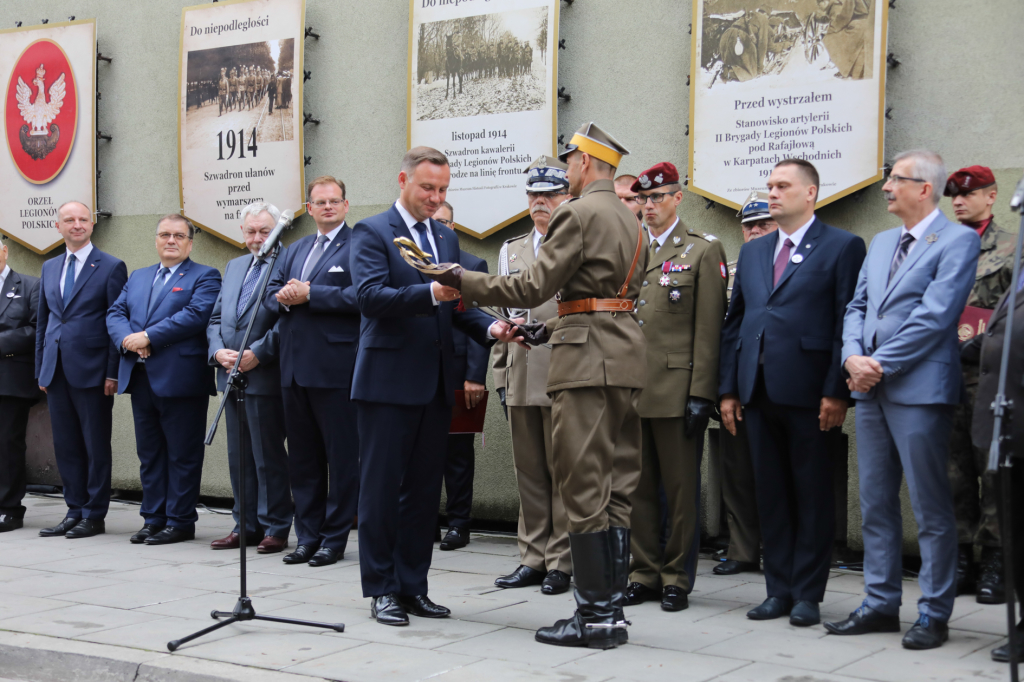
x,y
776,79
49,127
240,112
482,78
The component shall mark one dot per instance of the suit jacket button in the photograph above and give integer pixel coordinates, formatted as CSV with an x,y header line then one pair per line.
x,y
641,323
475,303
645,283
642,302
563,337
768,307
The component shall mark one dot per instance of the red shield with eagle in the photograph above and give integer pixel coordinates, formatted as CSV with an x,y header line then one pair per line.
x,y
41,111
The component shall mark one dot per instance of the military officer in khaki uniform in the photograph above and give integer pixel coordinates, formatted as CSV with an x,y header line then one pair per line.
x,y
737,469
681,309
520,379
593,258
973,190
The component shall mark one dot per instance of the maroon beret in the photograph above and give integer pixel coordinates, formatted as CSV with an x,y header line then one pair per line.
x,y
969,179
657,175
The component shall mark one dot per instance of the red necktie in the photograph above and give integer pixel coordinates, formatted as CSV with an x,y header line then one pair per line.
x,y
781,260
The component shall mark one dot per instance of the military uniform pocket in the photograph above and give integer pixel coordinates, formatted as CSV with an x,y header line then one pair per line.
x,y
570,355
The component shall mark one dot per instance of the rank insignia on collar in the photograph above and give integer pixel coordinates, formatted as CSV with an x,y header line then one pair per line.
x,y
664,281
674,295
676,240
932,238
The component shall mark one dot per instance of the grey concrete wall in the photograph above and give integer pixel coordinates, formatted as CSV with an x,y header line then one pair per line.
x,y
957,92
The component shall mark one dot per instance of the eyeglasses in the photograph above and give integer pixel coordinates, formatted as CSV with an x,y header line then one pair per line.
x,y
446,223
166,236
657,197
332,202
535,195
896,179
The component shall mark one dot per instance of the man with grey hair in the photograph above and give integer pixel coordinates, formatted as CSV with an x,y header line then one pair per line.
x,y
257,433
901,356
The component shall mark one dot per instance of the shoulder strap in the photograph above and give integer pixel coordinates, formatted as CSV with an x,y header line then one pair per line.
x,y
636,257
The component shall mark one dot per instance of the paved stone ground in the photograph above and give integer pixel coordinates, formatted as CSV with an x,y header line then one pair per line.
x,y
106,591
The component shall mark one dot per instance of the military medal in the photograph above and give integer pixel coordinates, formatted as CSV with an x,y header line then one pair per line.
x,y
512,258
798,258
932,238
674,295
664,281
669,266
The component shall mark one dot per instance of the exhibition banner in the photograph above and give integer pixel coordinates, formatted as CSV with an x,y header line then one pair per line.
x,y
49,127
240,111
482,89
776,79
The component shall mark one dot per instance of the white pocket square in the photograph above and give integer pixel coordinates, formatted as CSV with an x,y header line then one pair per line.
x,y
336,268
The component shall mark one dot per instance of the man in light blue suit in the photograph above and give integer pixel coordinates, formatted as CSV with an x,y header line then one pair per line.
x,y
900,351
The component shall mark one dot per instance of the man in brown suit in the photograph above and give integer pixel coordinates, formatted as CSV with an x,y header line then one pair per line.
x,y
681,308
520,378
593,257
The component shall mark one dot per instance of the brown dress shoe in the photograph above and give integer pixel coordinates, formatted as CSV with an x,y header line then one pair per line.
x,y
272,544
230,541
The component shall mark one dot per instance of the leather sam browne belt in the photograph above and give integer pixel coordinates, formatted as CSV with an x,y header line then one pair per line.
x,y
619,304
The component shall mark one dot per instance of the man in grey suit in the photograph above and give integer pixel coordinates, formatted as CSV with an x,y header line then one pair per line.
x,y
268,514
900,351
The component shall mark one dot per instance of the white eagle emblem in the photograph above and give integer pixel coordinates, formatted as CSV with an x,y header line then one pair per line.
x,y
644,182
38,114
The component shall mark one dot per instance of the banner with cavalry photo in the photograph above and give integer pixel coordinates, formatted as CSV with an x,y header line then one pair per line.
x,y
776,79
240,111
49,73
482,89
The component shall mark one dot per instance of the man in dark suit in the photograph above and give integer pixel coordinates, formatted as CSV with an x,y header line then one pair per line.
x,y
404,386
780,366
258,433
19,390
471,367
318,331
76,366
159,325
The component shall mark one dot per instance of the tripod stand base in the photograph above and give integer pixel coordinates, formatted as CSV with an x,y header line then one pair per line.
x,y
244,611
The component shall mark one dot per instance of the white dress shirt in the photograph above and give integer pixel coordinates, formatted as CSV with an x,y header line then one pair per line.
x,y
3,276
81,256
663,237
409,222
538,239
795,238
919,229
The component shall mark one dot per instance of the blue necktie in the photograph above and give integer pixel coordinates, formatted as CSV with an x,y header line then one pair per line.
x,y
424,242
158,286
69,279
248,286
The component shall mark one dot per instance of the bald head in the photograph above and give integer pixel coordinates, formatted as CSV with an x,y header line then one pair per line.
x,y
74,222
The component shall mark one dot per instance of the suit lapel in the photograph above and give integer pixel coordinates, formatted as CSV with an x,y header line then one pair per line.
x,y
806,250
172,281
234,280
85,273
768,261
51,282
10,287
937,226
400,230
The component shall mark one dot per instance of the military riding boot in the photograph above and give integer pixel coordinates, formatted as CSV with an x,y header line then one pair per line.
x,y
619,539
594,623
966,570
990,584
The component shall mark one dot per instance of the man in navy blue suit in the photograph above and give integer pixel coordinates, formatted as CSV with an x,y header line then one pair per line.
x,y
780,363
404,385
159,325
318,330
76,365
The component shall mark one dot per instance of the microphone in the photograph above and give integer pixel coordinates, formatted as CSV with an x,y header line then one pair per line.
x,y
283,223
1018,197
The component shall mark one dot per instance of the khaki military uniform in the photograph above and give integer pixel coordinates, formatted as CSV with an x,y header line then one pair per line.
x,y
681,310
738,490
543,525
597,359
977,521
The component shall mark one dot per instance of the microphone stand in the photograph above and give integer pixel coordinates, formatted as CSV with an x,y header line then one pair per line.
x,y
1000,454
236,385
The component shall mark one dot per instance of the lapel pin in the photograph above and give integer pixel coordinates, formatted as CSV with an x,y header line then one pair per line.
x,y
798,258
932,238
688,247
10,294
808,246
676,240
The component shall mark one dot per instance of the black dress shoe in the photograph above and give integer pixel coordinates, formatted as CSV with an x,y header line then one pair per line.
x,y
145,532
455,538
674,599
60,529
864,620
9,523
732,567
555,582
170,535
325,556
524,576
1002,654
805,614
638,593
86,528
966,570
770,608
990,583
927,633
388,611
301,555
420,605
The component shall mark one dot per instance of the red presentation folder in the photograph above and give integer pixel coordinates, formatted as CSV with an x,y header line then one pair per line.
x,y
974,321
468,421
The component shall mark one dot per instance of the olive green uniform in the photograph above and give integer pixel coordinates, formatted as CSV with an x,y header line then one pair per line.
x,y
977,521
681,315
543,525
597,359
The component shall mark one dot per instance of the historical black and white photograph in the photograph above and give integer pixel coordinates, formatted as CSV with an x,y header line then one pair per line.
x,y
245,87
484,64
747,39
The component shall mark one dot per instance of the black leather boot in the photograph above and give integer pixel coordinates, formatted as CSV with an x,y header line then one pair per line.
x,y
990,583
619,539
594,624
966,570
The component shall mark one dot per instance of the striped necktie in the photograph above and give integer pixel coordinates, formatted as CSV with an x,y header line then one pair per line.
x,y
901,254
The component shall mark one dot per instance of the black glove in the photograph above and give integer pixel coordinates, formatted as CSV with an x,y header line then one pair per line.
x,y
534,333
449,278
501,397
698,412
